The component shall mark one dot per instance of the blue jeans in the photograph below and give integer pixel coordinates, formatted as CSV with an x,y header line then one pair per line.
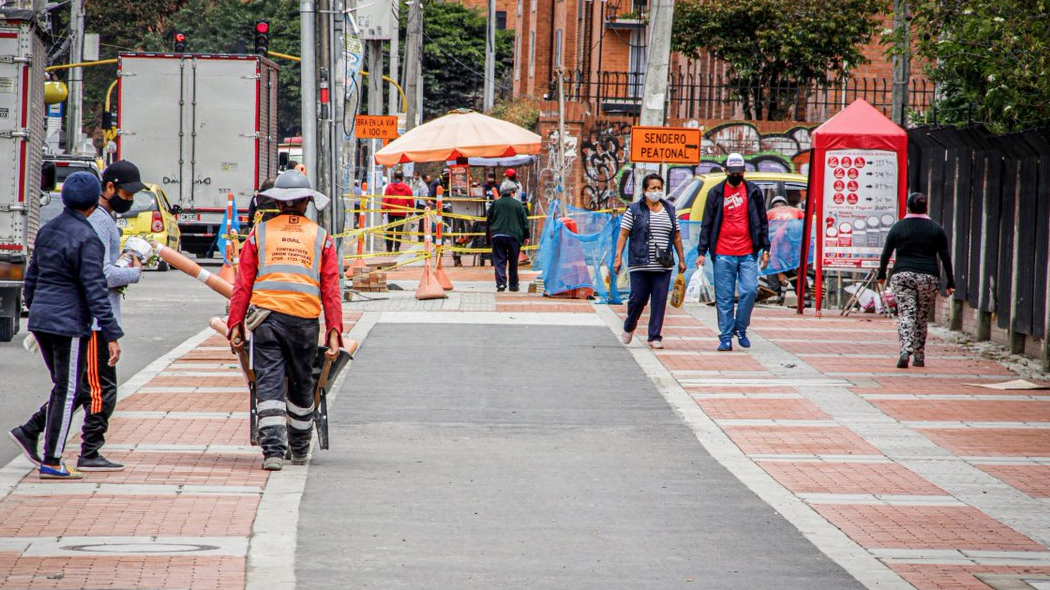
x,y
648,287
735,275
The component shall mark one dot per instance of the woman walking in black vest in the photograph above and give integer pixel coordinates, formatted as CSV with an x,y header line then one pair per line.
x,y
918,241
652,228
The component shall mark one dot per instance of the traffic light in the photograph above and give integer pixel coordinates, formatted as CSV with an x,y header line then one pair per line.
x,y
262,37
180,41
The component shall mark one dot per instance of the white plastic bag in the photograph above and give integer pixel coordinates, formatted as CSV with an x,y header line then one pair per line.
x,y
692,290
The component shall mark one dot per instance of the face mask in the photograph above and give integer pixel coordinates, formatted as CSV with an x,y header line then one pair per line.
x,y
654,196
119,205
736,179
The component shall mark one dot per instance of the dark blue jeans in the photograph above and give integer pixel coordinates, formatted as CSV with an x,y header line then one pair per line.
x,y
651,287
505,251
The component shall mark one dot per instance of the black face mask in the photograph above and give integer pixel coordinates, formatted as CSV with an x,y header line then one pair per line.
x,y
735,179
120,205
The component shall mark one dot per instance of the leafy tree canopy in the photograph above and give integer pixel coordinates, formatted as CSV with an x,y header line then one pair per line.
x,y
454,57
989,58
776,49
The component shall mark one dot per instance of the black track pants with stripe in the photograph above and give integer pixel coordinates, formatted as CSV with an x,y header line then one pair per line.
x,y
67,360
97,395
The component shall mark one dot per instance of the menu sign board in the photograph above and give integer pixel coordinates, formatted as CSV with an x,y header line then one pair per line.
x,y
860,205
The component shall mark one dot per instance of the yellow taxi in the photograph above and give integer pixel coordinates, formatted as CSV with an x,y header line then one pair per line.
x,y
689,201
152,216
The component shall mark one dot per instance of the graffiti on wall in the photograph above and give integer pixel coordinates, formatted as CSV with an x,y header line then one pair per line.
x,y
608,176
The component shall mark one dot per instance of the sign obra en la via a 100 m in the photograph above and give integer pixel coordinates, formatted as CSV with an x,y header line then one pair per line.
x,y
375,127
665,145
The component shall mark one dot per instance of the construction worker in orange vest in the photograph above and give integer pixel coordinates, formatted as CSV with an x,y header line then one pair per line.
x,y
289,271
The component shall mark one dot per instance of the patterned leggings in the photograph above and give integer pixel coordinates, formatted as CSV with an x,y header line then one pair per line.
x,y
915,294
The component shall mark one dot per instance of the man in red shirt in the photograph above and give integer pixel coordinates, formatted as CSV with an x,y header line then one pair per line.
x,y
289,270
398,202
734,230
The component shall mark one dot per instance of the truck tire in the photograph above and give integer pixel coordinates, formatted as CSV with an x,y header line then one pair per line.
x,y
8,328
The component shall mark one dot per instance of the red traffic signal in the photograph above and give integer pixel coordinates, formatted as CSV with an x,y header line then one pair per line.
x,y
180,41
262,27
262,37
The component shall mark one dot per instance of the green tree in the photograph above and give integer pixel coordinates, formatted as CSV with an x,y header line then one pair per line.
x,y
777,50
454,57
990,60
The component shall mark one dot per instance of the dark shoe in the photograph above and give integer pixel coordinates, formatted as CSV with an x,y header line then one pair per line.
x,y
515,289
98,463
300,458
273,463
27,444
919,360
500,288
725,345
742,338
902,362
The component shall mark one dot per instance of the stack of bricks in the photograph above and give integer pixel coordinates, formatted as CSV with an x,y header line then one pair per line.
x,y
369,281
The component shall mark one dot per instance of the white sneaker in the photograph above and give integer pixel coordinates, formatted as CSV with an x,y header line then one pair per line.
x,y
626,337
656,344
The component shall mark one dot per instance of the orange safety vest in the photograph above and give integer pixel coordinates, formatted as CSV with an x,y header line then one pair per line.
x,y
289,276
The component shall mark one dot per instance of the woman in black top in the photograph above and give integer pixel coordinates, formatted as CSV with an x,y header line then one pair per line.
x,y
918,241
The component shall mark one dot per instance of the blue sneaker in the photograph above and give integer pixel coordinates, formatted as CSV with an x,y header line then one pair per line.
x,y
741,336
59,471
725,344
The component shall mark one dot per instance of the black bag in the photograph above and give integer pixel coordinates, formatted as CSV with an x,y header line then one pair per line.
x,y
665,258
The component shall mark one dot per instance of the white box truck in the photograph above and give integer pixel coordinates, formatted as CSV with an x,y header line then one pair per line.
x,y
200,126
22,129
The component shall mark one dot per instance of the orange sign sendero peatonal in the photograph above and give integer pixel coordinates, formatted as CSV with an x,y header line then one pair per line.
x,y
375,127
665,145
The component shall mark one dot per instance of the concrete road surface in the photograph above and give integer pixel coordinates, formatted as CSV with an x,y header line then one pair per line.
x,y
468,456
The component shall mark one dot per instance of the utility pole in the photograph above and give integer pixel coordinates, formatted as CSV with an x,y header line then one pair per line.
x,y
324,174
490,57
561,129
654,96
375,107
901,63
308,83
414,62
74,119
394,67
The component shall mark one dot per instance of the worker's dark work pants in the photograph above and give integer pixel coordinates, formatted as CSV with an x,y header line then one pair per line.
x,y
284,348
97,394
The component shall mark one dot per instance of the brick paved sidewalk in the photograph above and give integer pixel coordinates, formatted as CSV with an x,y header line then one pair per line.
x,y
946,483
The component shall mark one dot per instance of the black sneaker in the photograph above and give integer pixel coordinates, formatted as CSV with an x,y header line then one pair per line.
x,y
27,444
500,288
98,463
902,362
515,289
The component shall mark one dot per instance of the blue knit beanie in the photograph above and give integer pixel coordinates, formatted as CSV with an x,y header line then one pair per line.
x,y
81,191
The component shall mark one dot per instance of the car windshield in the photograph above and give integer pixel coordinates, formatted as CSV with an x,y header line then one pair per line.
x,y
686,195
144,201
62,172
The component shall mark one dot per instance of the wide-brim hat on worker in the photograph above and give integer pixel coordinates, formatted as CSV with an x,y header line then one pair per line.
x,y
293,185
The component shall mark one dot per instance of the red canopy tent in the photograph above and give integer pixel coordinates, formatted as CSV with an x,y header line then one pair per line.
x,y
857,190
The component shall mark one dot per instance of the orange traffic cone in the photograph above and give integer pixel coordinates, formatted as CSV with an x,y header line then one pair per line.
x,y
442,278
429,287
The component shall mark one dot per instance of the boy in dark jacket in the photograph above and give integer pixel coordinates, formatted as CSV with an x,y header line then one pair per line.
x,y
64,289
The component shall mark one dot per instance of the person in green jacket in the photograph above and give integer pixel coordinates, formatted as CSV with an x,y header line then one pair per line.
x,y
509,228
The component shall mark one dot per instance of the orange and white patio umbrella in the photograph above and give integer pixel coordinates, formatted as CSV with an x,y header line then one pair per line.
x,y
459,134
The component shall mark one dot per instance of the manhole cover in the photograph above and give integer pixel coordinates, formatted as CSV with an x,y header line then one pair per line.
x,y
126,548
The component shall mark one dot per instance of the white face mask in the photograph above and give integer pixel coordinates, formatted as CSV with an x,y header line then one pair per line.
x,y
654,196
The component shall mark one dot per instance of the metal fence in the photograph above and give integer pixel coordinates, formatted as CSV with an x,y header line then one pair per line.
x,y
992,195
696,96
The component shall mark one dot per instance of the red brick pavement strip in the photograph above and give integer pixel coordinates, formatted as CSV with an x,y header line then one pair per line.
x,y
849,478
74,573
1033,480
836,364
941,385
751,389
185,402
731,362
830,440
172,468
966,410
171,431
128,515
890,349
991,442
541,307
957,577
191,382
761,409
677,343
924,527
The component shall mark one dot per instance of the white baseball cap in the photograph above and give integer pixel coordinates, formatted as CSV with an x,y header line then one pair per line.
x,y
735,163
